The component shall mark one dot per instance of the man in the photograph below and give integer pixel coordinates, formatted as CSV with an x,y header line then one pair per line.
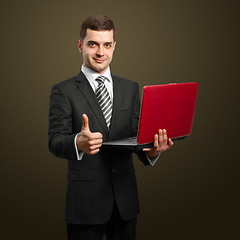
x,y
86,110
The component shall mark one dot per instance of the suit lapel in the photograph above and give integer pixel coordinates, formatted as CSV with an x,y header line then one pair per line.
x,y
89,94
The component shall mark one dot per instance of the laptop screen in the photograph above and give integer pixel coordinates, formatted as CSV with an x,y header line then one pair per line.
x,y
167,106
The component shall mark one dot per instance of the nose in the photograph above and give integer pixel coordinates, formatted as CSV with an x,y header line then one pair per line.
x,y
100,51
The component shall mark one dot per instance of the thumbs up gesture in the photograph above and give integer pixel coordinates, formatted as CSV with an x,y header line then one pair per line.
x,y
87,141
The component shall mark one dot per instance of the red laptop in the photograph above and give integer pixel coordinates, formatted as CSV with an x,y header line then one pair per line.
x,y
167,106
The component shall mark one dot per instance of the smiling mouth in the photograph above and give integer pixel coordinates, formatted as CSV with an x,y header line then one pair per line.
x,y
99,60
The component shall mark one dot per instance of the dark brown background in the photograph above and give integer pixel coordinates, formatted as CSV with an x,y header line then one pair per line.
x,y
193,191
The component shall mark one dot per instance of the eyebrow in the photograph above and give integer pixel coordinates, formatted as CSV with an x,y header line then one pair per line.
x,y
94,42
108,42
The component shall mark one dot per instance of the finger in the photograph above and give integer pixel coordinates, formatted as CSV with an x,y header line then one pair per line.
x,y
85,125
165,137
95,142
160,137
95,147
95,135
155,143
147,149
170,142
94,151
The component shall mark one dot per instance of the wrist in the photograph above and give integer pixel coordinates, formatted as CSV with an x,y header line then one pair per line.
x,y
79,147
152,155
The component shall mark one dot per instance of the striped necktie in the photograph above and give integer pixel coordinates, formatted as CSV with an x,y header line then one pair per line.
x,y
104,99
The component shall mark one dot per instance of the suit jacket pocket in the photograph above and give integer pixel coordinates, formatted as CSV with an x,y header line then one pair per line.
x,y
81,175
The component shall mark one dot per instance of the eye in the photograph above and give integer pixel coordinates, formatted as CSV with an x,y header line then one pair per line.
x,y
91,44
108,45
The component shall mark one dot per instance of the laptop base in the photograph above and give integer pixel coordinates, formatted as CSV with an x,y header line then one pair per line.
x,y
126,144
132,144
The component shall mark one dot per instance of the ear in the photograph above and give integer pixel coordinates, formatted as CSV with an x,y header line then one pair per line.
x,y
80,46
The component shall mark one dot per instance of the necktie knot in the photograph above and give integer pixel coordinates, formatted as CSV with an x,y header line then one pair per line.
x,y
100,79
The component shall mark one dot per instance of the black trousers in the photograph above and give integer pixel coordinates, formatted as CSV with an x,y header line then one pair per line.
x,y
114,229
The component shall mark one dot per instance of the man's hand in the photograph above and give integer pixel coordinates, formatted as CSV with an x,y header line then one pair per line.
x,y
161,143
87,141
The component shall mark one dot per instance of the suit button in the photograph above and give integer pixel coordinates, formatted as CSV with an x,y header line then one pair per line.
x,y
113,170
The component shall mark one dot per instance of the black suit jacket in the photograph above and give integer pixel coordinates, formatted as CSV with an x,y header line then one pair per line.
x,y
95,181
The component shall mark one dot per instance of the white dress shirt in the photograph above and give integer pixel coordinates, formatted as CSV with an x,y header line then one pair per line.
x,y
91,76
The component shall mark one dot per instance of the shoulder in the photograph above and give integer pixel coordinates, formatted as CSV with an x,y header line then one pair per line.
x,y
65,84
68,86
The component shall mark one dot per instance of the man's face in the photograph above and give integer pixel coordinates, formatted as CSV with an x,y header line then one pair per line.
x,y
97,49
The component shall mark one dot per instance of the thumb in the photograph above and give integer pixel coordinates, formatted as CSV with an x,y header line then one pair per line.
x,y
85,125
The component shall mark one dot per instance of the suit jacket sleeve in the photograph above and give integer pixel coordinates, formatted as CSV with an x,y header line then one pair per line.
x,y
61,137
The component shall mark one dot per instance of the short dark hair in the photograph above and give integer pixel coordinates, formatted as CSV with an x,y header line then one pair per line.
x,y
97,23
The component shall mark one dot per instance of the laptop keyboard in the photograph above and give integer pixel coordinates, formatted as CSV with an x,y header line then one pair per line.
x,y
126,141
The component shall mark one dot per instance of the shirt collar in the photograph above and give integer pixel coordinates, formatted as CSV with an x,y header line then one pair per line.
x,y
91,75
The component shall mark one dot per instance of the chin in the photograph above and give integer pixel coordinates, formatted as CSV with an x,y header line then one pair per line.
x,y
100,69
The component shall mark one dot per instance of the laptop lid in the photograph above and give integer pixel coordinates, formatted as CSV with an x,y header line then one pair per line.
x,y
167,106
